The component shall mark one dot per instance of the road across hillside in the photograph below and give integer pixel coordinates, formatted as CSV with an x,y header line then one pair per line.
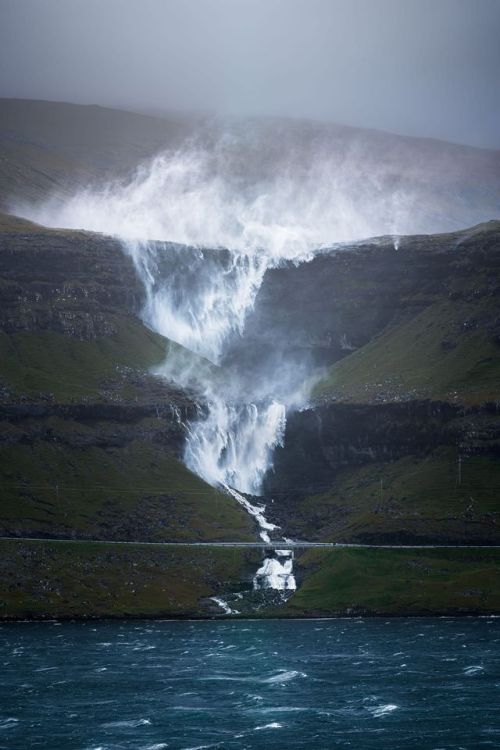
x,y
256,545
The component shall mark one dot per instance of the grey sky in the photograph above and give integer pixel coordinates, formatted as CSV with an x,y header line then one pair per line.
x,y
419,67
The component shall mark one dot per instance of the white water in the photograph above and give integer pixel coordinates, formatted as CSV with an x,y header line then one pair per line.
x,y
234,445
203,198
224,606
200,298
194,297
276,572
257,511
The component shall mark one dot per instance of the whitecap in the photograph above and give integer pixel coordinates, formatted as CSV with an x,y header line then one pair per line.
x,y
284,676
383,710
273,725
473,669
130,723
280,709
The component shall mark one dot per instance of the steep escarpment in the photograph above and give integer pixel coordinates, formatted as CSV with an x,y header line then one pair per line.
x,y
400,442
348,295
91,442
414,472
402,438
74,283
399,337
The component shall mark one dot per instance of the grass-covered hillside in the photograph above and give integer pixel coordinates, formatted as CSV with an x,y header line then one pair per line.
x,y
47,580
443,345
401,441
83,580
397,582
91,442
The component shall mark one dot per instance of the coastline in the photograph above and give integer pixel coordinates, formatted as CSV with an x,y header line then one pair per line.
x,y
74,581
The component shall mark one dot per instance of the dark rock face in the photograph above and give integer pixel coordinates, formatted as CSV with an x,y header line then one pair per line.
x,y
90,442
67,282
346,449
81,287
412,473
340,300
321,441
99,425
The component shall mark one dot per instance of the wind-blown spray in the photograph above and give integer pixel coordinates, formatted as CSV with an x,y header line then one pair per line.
x,y
167,216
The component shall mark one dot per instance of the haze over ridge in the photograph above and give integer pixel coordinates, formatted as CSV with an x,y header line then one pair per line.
x,y
416,67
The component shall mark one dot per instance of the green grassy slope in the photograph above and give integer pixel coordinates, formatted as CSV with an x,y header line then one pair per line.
x,y
443,341
68,579
116,367
397,582
49,362
137,491
117,471
90,439
446,352
55,580
414,498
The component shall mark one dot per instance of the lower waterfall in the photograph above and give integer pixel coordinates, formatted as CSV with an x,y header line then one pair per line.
x,y
199,299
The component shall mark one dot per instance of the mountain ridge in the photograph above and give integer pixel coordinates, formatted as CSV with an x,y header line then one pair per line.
x,y
400,440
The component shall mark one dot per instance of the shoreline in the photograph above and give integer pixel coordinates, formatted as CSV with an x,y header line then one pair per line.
x,y
247,618
73,581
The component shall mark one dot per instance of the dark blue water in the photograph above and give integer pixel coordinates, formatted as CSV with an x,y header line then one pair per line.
x,y
408,683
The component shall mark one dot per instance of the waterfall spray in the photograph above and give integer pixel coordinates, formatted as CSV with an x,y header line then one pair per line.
x,y
256,200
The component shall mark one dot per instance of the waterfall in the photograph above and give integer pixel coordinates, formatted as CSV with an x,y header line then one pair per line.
x,y
276,572
256,198
195,297
199,299
234,444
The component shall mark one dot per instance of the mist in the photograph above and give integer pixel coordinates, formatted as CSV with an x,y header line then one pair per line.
x,y
281,163
417,67
204,222
283,189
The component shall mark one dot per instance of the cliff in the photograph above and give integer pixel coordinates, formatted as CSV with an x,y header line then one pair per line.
x,y
90,441
401,440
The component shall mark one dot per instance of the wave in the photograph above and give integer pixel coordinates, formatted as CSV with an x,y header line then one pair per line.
x,y
272,725
284,676
473,669
383,710
132,723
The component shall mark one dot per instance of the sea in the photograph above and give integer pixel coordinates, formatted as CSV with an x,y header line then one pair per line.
x,y
359,683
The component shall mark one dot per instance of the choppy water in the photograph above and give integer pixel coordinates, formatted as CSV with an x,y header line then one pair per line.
x,y
408,683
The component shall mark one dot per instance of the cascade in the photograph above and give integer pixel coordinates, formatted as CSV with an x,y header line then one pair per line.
x,y
199,299
254,212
